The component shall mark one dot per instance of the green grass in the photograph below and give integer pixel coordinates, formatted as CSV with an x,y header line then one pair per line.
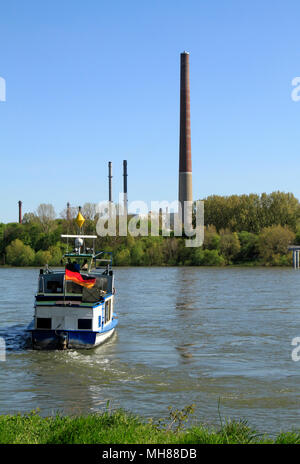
x,y
120,427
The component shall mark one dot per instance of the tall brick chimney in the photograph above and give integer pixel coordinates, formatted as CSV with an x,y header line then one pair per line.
x,y
185,155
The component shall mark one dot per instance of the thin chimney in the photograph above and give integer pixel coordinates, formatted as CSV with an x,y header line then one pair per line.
x,y
109,181
20,211
125,186
68,212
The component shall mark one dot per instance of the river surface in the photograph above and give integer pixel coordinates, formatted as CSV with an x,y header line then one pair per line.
x,y
185,335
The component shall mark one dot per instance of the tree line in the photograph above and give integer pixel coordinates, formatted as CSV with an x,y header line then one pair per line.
x,y
239,229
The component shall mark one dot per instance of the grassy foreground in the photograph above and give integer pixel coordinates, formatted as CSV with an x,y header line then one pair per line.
x,y
120,427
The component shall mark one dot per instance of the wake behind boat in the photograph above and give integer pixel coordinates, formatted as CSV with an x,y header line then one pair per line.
x,y
74,308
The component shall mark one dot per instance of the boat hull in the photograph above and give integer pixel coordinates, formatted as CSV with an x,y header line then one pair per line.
x,y
68,339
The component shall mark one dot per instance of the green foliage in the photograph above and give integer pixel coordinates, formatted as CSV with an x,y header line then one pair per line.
x,y
42,258
122,258
207,258
137,254
229,245
249,250
240,229
252,212
56,255
273,243
18,254
211,238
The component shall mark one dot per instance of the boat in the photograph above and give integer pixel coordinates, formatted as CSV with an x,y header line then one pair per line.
x,y
74,307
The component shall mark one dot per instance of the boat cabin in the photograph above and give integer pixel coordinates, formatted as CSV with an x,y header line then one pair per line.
x,y
62,304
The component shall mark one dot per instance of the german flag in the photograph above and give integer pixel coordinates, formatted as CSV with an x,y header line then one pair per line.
x,y
84,281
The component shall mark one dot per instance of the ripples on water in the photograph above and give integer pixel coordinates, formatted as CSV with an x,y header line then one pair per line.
x,y
185,335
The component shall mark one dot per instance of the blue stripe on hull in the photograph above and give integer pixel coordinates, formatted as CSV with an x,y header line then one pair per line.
x,y
51,339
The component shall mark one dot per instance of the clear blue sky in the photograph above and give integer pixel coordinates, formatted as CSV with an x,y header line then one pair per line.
x,y
91,81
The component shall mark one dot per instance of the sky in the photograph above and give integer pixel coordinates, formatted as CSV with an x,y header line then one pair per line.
x,y
89,82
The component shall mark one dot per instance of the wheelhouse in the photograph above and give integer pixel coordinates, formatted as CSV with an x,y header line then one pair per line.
x,y
62,304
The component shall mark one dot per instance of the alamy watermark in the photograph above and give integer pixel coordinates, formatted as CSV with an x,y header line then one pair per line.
x,y
2,89
2,349
135,219
296,351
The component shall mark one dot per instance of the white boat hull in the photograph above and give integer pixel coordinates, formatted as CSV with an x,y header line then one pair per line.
x,y
44,339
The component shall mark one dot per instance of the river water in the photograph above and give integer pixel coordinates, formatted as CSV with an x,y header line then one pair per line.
x,y
206,336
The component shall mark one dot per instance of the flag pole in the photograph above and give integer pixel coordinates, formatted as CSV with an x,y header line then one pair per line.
x,y
65,287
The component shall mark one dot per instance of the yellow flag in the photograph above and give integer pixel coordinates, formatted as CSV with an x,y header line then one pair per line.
x,y
80,220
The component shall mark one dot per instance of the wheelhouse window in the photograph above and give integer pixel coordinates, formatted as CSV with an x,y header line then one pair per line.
x,y
54,287
85,324
43,323
51,283
107,315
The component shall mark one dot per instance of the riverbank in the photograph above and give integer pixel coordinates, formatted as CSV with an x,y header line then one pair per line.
x,y
30,244
120,427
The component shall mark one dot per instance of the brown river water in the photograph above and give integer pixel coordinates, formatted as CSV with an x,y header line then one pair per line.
x,y
185,335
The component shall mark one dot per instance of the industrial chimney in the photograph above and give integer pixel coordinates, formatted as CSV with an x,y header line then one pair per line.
x,y
20,211
125,186
68,212
109,181
185,156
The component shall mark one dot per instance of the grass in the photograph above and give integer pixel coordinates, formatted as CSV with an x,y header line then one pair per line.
x,y
120,427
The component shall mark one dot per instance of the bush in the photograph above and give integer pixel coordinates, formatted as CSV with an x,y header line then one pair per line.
x,y
42,258
249,246
211,238
273,243
122,258
229,245
207,258
137,255
56,255
18,254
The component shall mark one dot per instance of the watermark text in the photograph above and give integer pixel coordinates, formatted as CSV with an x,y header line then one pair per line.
x,y
165,218
2,89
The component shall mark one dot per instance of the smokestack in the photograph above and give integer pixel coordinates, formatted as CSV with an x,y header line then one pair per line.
x,y
185,156
68,212
109,181
125,185
20,212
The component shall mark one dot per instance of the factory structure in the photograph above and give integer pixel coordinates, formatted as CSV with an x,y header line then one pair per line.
x,y
185,158
185,191
185,187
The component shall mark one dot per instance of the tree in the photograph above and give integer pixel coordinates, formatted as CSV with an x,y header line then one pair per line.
x,y
46,212
273,243
137,254
18,254
73,211
229,245
211,238
29,218
171,246
42,258
249,247
46,215
56,255
122,258
89,211
207,258
252,212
